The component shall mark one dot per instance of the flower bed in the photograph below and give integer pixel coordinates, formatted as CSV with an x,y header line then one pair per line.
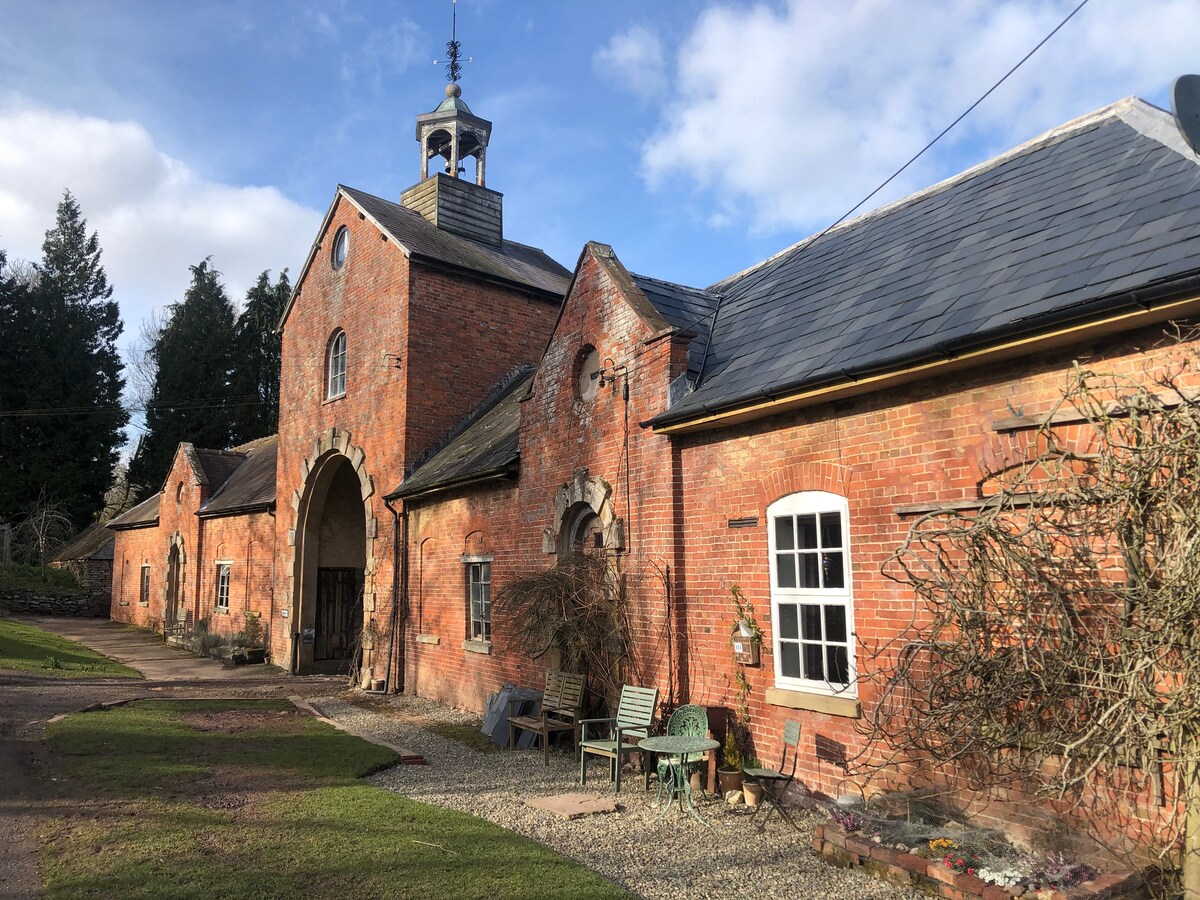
x,y
949,868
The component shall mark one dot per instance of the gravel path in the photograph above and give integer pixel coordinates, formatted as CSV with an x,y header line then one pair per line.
x,y
673,857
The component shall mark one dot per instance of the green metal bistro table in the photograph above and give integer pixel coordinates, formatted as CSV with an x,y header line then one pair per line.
x,y
676,749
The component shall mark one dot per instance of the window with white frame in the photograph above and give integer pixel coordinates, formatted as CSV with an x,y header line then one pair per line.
x,y
479,599
811,608
222,601
335,366
144,593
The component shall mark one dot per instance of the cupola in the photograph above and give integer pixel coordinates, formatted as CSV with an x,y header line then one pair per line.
x,y
450,135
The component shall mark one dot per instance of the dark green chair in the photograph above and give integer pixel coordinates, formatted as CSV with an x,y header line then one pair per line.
x,y
635,712
686,721
774,782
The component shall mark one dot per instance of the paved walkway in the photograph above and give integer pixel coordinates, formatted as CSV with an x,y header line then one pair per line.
x,y
146,652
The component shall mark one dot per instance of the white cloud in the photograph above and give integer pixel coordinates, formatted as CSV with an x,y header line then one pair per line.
x,y
787,115
634,58
155,216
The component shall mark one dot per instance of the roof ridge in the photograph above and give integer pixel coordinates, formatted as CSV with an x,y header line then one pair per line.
x,y
1157,124
498,393
255,444
1053,135
679,284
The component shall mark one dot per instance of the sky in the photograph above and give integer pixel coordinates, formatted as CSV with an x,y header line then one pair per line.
x,y
697,138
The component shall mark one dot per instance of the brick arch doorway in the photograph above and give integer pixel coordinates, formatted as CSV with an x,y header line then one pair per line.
x,y
331,567
173,611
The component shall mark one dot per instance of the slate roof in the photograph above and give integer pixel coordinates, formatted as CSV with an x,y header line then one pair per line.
x,y
94,542
686,308
218,465
484,445
145,513
513,262
1059,229
251,485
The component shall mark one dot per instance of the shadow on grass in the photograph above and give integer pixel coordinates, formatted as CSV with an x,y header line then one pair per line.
x,y
303,824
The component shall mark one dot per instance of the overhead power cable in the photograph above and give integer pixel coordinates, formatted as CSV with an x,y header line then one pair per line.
x,y
809,242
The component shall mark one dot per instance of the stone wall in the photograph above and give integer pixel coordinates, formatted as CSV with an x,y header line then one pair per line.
x,y
89,605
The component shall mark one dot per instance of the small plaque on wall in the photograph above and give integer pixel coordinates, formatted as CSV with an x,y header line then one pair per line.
x,y
745,650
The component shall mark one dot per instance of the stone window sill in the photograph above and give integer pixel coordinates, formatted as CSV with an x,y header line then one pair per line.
x,y
124,603
428,639
328,400
140,603
847,707
221,610
484,647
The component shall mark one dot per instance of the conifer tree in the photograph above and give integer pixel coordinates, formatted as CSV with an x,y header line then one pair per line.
x,y
62,384
192,398
259,350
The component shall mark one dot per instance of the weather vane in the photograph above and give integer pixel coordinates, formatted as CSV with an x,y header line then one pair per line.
x,y
453,48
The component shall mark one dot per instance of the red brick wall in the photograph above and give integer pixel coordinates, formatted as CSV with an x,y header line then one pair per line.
x,y
248,544
181,496
560,435
472,335
134,548
247,541
921,444
474,522
401,395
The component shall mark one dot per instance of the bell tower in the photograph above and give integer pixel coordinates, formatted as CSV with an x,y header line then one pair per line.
x,y
452,132
449,135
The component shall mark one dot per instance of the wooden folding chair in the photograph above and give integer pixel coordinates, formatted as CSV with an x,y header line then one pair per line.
x,y
774,782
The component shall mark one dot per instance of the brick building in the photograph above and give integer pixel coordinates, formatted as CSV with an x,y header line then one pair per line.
x,y
459,410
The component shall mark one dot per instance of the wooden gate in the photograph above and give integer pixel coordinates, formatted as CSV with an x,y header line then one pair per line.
x,y
339,613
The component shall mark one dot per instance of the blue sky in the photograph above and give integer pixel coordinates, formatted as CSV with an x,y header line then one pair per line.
x,y
695,137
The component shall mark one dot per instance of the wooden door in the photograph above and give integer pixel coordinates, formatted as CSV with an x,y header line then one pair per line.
x,y
339,613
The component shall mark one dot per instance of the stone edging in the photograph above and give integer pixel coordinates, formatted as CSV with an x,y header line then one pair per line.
x,y
407,757
932,877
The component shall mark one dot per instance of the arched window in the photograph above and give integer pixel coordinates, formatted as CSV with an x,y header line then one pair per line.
x,y
811,606
335,366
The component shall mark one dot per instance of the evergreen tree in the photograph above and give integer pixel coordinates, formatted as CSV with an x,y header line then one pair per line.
x,y
259,349
192,398
62,376
16,324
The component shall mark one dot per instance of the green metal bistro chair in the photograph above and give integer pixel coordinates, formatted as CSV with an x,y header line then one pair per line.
x,y
775,783
635,712
689,721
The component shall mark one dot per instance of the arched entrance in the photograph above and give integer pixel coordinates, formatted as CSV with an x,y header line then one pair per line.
x,y
331,567
173,611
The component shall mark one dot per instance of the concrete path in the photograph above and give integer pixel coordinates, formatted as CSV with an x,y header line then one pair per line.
x,y
156,660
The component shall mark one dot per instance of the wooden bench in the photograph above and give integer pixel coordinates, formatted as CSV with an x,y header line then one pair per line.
x,y
559,710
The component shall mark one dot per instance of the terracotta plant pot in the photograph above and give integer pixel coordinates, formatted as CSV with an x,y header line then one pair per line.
x,y
729,780
753,792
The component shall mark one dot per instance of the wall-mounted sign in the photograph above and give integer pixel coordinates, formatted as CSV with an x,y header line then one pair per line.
x,y
309,635
283,612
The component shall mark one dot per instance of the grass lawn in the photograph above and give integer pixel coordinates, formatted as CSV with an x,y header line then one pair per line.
x,y
31,649
254,799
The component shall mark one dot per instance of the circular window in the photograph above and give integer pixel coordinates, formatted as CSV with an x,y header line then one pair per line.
x,y
589,373
341,246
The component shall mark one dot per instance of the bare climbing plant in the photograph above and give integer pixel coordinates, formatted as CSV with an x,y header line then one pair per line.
x,y
1056,641
578,608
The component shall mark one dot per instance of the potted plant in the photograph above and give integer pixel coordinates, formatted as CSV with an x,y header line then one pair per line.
x,y
729,775
752,790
